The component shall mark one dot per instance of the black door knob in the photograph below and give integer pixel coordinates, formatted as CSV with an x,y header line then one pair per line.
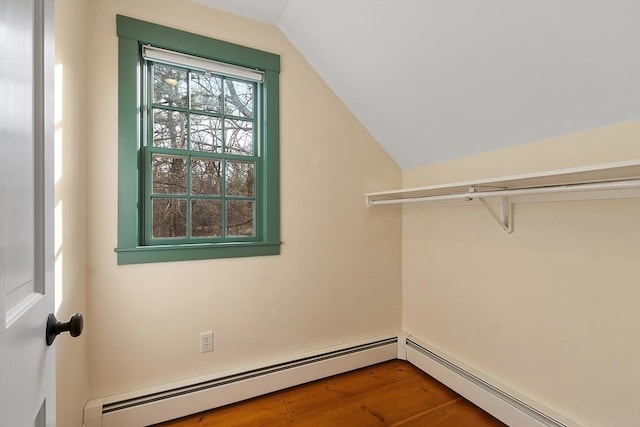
x,y
73,326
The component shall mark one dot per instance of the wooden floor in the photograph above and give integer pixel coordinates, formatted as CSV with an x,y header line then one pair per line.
x,y
388,394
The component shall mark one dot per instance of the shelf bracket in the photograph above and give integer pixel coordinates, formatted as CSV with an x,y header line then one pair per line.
x,y
506,210
505,218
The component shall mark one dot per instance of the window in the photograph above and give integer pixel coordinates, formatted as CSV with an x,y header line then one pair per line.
x,y
198,147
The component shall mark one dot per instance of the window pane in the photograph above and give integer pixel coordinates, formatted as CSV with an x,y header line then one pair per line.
x,y
206,177
240,178
206,218
169,218
206,92
206,133
169,129
238,99
239,218
169,174
169,86
238,137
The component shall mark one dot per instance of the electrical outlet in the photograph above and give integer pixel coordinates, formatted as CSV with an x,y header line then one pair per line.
x,y
206,341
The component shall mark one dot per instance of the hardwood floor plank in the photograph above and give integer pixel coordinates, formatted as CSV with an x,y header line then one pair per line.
x,y
460,413
319,393
393,393
261,411
382,405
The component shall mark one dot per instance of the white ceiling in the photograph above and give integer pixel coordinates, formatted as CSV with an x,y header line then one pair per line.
x,y
434,80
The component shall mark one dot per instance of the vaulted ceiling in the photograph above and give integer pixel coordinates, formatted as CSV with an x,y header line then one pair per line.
x,y
434,80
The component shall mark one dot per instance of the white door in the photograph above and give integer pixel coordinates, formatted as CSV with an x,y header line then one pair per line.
x,y
27,384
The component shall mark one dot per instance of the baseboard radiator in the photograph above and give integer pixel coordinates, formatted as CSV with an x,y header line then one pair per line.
x,y
498,401
153,406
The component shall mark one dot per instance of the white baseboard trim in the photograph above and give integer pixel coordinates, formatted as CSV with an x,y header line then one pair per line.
x,y
175,400
179,399
504,404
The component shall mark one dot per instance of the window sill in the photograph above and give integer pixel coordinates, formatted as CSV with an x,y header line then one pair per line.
x,y
188,252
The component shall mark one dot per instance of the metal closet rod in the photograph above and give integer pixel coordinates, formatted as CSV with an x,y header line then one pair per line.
x,y
471,194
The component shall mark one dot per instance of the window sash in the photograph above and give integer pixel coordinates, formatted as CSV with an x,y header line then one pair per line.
x,y
148,150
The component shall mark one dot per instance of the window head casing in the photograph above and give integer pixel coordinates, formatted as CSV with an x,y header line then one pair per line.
x,y
198,147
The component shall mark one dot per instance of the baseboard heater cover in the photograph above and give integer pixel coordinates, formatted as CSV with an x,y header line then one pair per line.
x,y
495,400
147,408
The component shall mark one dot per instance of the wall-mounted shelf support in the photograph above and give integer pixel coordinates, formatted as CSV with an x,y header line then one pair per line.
x,y
504,219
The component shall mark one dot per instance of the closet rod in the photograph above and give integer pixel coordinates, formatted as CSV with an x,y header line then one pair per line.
x,y
472,194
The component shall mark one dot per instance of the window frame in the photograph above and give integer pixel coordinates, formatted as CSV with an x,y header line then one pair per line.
x,y
131,247
189,153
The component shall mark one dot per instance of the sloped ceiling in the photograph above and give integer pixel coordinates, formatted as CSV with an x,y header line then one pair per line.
x,y
434,80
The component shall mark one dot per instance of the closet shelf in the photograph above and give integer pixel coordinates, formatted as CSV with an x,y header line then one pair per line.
x,y
610,176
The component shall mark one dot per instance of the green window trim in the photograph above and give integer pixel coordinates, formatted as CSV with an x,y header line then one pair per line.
x,y
132,249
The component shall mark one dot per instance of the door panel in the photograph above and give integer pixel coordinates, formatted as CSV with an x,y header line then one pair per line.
x,y
27,385
18,129
20,185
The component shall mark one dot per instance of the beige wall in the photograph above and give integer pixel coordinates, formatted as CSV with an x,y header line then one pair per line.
x,y
71,244
337,280
550,310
